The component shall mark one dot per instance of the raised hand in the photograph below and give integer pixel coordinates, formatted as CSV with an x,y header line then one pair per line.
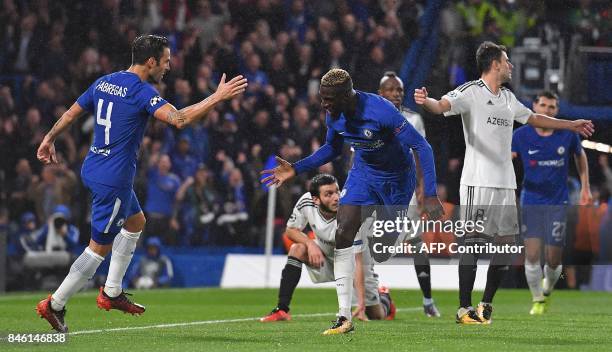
x,y
279,174
228,90
420,95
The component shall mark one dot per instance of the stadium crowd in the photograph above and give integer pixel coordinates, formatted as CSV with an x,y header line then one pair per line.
x,y
200,185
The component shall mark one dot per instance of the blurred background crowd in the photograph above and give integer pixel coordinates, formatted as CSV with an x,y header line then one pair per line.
x,y
200,186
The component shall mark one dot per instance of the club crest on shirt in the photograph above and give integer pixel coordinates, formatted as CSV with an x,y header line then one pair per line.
x,y
560,150
367,133
452,94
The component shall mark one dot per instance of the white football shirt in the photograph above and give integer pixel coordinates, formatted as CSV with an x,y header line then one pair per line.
x,y
488,120
415,119
306,212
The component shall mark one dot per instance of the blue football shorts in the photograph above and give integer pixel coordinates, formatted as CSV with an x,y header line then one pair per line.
x,y
110,207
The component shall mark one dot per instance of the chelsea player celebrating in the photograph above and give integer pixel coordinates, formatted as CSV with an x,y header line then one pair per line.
x,y
545,155
121,102
383,171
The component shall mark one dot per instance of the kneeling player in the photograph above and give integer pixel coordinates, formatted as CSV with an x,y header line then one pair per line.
x,y
318,209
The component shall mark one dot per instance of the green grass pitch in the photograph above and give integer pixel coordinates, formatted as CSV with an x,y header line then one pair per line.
x,y
223,319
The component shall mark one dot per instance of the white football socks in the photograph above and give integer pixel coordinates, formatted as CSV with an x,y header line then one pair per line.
x,y
123,251
344,267
82,270
533,273
551,276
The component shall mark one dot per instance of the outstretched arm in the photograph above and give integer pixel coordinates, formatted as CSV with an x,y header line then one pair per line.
x,y
328,152
284,171
46,150
584,127
181,118
410,137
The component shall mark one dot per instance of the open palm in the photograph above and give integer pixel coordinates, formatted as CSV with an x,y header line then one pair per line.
x,y
279,174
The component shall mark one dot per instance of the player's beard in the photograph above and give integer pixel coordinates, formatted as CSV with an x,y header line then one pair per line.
x,y
507,77
153,80
324,208
157,78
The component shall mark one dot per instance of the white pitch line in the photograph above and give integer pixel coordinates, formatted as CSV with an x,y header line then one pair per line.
x,y
206,322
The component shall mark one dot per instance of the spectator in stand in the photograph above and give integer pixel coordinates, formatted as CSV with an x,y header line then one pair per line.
x,y
56,186
161,190
298,20
154,269
606,26
586,242
258,79
184,163
182,94
19,243
199,207
24,238
373,67
58,234
18,187
585,20
302,129
234,214
31,133
208,24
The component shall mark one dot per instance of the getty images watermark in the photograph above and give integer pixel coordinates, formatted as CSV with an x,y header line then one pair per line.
x,y
408,230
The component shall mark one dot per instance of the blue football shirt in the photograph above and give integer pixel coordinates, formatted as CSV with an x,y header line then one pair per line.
x,y
121,104
545,164
379,135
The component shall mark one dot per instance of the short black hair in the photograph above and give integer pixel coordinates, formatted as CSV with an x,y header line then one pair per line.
x,y
485,55
387,75
318,181
548,95
147,46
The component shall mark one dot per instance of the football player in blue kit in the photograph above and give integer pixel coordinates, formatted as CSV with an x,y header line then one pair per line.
x,y
383,171
121,103
545,156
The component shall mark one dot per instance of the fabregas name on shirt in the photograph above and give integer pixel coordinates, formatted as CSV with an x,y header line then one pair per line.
x,y
112,89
